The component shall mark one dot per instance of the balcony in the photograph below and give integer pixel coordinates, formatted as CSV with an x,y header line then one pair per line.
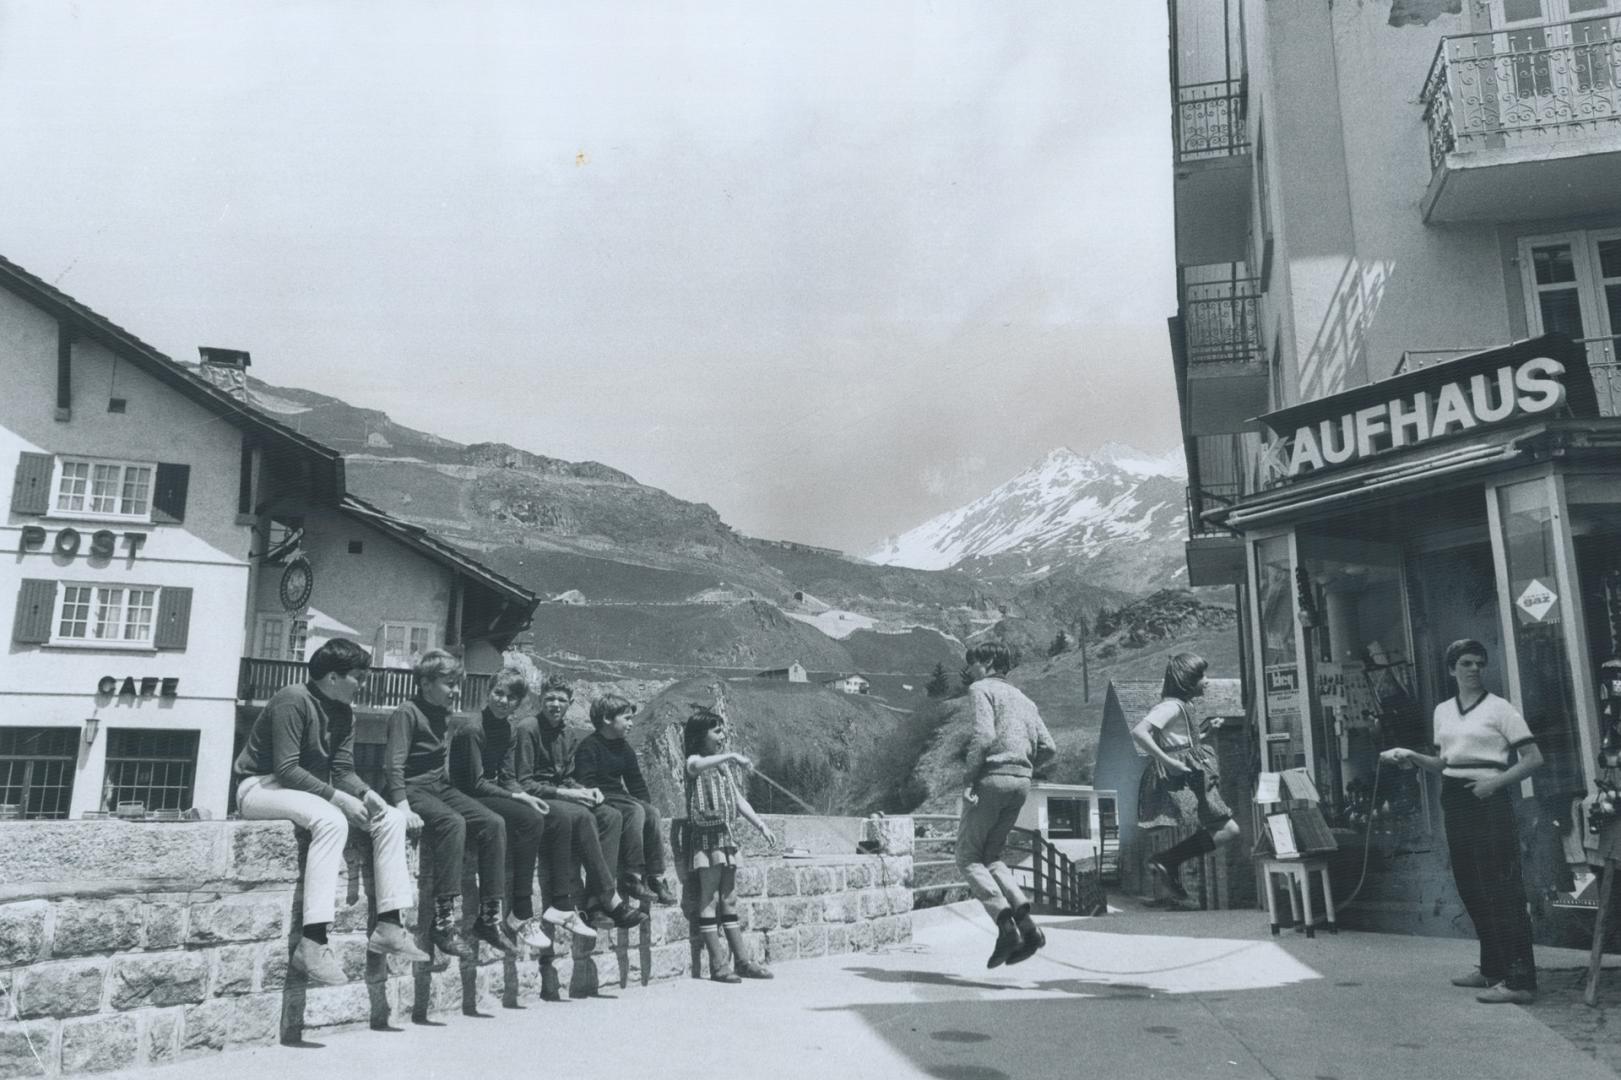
x,y
1210,130
1603,360
1219,320
384,688
1525,122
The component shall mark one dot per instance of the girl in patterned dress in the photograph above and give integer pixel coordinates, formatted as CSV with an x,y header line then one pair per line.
x,y
714,803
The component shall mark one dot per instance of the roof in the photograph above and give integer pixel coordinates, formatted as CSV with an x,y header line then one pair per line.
x,y
127,346
1222,697
1136,698
421,540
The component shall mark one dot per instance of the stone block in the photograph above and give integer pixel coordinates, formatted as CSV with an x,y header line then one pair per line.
x,y
350,949
859,875
673,961
22,931
836,908
781,881
50,852
99,1043
273,966
860,936
233,969
900,899
263,851
838,940
812,941
903,927
84,927
160,1039
750,880
237,918
67,988
762,914
165,925
883,931
781,945
815,880
350,918
205,1027
326,1006
874,903
18,1048
175,978
255,1019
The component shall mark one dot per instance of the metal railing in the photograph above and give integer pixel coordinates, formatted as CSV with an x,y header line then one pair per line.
x,y
1603,361
1533,85
1057,882
1202,497
1210,120
1221,321
384,688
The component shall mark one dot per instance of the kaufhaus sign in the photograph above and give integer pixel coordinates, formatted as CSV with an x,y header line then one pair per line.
x,y
1543,377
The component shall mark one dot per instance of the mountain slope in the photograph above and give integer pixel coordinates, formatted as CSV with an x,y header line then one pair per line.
x,y
1116,519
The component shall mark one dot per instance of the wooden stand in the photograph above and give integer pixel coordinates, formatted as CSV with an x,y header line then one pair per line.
x,y
1297,873
1595,959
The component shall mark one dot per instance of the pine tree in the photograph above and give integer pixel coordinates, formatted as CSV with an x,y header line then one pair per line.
x,y
939,683
1060,644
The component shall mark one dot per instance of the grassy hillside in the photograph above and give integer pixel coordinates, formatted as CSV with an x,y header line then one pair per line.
x,y
747,635
551,572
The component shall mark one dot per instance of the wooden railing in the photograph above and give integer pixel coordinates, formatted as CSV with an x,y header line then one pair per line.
x,y
384,688
1057,882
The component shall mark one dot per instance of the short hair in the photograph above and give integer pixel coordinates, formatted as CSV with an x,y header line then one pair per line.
x,y
340,656
993,654
1182,674
1465,647
702,721
437,664
556,684
512,682
608,707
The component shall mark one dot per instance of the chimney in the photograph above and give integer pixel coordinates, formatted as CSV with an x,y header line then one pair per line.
x,y
226,369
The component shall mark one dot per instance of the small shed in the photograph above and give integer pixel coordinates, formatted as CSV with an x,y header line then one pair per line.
x,y
848,684
794,672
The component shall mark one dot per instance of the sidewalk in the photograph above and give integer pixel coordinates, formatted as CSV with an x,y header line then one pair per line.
x,y
1130,994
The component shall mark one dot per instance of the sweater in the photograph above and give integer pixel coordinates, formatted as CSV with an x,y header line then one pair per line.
x,y
418,746
306,741
1008,737
609,764
480,761
1474,744
543,758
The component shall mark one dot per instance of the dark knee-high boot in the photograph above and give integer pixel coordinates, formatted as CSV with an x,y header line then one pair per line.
x,y
741,964
719,969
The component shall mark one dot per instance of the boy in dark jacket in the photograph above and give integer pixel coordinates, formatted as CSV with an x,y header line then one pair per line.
x,y
606,761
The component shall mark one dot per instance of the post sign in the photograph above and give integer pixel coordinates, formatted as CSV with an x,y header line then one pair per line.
x,y
1547,376
1535,602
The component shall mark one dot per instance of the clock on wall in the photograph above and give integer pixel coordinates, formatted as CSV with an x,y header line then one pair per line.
x,y
297,581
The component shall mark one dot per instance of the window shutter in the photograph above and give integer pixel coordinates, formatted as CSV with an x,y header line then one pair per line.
x,y
174,618
31,491
169,492
36,604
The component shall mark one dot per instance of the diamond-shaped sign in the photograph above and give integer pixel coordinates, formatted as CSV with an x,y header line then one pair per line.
x,y
1536,600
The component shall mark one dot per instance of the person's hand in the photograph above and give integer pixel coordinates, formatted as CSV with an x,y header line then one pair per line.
x,y
596,795
1216,722
533,802
1178,768
413,820
1398,755
770,837
352,808
742,759
1485,789
376,805
969,796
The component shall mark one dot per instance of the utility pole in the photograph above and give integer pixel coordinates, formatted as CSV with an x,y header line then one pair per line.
x,y
1086,681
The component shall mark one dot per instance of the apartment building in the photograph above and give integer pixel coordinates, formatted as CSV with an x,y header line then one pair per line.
x,y
176,553
1398,236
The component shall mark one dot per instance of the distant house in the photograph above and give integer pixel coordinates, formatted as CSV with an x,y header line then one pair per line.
x,y
1079,819
1120,767
848,684
794,672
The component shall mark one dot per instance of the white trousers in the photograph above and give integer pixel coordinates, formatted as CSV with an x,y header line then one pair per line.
x,y
263,798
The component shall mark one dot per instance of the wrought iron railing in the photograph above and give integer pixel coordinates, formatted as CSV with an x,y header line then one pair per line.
x,y
1221,322
1210,120
1525,85
1202,497
384,688
1603,360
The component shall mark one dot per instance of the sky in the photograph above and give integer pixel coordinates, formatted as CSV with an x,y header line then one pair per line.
x,y
830,267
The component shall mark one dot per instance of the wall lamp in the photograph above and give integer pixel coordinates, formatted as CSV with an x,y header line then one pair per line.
x,y
91,726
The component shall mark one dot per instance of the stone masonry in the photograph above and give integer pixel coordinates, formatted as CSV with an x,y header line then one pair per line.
x,y
127,944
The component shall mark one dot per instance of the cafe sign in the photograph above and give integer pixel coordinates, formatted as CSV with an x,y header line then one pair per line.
x,y
1546,376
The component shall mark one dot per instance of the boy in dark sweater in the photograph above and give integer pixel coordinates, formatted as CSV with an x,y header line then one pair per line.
x,y
606,761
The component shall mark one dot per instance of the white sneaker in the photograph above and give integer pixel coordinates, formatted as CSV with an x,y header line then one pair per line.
x,y
530,932
568,920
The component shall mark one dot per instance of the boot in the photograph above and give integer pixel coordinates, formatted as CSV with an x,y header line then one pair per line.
x,y
1030,936
633,889
622,915
741,964
719,970
1007,939
661,892
446,935
550,990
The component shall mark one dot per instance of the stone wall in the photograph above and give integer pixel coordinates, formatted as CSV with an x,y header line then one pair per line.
x,y
127,944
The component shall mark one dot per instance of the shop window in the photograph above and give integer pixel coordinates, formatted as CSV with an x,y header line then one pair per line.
x,y
1280,668
1069,819
37,766
1595,516
154,768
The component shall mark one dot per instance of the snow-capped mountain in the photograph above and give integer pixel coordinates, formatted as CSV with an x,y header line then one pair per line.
x,y
1117,516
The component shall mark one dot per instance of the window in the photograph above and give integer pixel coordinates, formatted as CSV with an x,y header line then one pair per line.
x,y
404,643
1572,285
114,615
103,489
36,771
279,638
157,769
1069,819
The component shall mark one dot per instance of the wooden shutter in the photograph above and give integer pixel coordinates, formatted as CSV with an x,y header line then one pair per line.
x,y
174,618
36,605
169,492
31,491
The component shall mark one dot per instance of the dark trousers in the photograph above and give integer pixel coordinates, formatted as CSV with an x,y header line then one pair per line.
x,y
450,819
581,845
639,846
526,830
1483,840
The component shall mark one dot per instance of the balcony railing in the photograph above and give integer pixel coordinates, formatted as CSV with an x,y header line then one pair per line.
x,y
1528,86
384,688
1603,360
1202,497
1210,120
1220,321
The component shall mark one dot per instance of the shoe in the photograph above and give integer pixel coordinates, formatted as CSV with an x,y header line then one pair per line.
x,y
529,932
1030,939
725,975
491,935
390,939
568,920
449,940
1473,981
317,963
1008,940
750,970
662,894
1168,878
1502,995
635,890
623,917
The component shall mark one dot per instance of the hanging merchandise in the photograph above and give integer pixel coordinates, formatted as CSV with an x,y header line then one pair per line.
x,y
1609,703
